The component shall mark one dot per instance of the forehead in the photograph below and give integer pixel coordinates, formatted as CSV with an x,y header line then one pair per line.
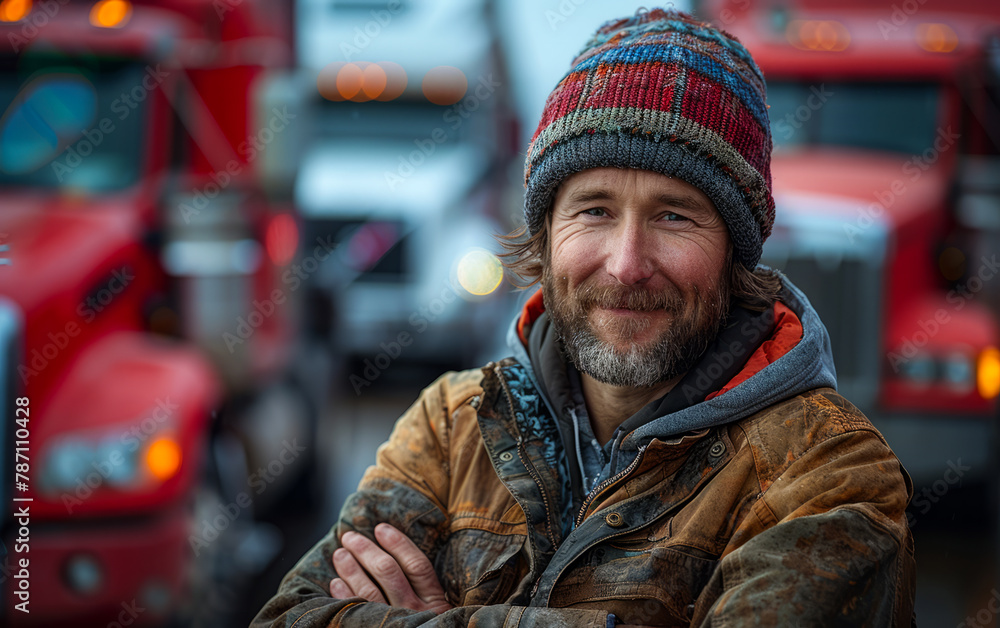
x,y
631,185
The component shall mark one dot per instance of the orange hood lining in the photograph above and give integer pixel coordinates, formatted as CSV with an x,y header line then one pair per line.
x,y
532,309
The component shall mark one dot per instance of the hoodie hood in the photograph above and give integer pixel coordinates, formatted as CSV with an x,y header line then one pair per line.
x,y
769,375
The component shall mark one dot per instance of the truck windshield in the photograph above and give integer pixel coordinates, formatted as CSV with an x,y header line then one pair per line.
x,y
396,120
71,122
895,117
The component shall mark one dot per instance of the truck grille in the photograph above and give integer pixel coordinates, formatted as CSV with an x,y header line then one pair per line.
x,y
847,294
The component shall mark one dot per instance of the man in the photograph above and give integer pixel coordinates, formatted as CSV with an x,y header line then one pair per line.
x,y
666,446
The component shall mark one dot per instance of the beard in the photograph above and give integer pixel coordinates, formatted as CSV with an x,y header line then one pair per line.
x,y
677,348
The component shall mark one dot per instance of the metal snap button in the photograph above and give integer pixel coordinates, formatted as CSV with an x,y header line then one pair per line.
x,y
717,450
614,520
506,456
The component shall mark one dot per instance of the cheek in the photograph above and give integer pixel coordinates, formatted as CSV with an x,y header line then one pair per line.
x,y
687,267
574,257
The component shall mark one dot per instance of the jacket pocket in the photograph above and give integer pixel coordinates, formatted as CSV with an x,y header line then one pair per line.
x,y
653,585
480,567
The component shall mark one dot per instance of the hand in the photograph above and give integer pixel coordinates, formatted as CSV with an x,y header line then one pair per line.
x,y
400,569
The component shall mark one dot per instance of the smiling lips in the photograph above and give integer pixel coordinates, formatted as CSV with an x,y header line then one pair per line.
x,y
632,311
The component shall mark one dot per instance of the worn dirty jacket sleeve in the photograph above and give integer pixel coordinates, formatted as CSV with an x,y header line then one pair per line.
x,y
407,488
826,543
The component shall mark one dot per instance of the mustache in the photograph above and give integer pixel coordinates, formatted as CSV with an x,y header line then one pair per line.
x,y
629,298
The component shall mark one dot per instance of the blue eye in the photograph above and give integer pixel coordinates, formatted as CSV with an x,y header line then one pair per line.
x,y
594,211
675,217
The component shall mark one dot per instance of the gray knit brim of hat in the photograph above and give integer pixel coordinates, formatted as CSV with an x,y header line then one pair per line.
x,y
643,152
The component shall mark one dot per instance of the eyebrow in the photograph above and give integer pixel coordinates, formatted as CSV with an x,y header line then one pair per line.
x,y
681,201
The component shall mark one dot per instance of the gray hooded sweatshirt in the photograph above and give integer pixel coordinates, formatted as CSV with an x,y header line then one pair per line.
x,y
684,409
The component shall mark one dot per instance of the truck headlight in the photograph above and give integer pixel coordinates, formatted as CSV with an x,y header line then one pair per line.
x,y
957,372
919,370
65,463
76,459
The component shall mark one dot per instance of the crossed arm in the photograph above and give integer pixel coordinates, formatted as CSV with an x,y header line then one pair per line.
x,y
403,576
400,574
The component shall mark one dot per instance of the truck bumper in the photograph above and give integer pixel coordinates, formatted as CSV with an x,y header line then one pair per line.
x,y
128,572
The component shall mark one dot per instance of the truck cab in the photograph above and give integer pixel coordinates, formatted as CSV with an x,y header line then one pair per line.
x,y
884,122
406,171
141,289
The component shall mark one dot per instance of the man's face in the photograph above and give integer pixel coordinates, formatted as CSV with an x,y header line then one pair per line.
x,y
635,283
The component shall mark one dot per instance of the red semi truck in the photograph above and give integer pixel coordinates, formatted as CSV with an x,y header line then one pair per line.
x,y
147,299
886,124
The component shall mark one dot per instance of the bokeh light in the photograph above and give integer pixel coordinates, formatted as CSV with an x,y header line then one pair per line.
x,y
444,85
819,35
373,80
110,13
14,10
395,81
163,458
937,37
326,81
480,272
361,81
349,81
988,373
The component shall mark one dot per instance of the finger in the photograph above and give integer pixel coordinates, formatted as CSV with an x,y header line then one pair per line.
x,y
383,569
340,590
354,576
414,563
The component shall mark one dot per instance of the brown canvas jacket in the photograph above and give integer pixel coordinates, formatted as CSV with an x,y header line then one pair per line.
x,y
793,516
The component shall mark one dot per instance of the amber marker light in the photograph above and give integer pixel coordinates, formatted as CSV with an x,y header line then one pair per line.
x,y
326,81
937,37
373,81
444,85
110,13
14,10
349,82
361,81
818,35
163,458
988,373
395,81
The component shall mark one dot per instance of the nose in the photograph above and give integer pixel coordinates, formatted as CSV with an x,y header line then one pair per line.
x,y
629,257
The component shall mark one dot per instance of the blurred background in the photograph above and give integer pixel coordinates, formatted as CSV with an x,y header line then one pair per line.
x,y
237,237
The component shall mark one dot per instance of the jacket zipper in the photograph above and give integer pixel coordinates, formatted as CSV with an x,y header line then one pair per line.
x,y
590,498
529,467
606,483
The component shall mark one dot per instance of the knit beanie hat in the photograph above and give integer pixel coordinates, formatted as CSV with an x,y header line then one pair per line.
x,y
661,91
